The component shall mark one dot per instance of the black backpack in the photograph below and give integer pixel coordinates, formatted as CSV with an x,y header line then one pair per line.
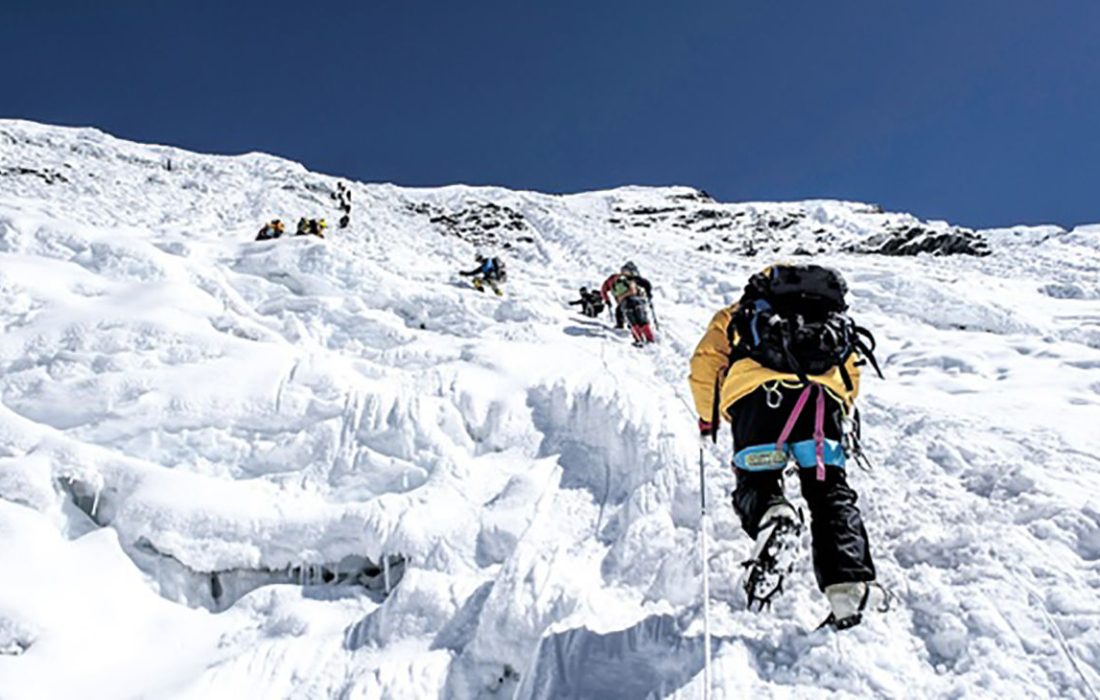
x,y
794,319
498,273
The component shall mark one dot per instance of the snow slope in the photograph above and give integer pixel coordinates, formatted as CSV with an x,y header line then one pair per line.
x,y
311,469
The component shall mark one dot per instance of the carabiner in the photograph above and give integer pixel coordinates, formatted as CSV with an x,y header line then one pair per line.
x,y
773,397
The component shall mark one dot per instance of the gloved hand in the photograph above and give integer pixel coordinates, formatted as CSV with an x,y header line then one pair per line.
x,y
706,430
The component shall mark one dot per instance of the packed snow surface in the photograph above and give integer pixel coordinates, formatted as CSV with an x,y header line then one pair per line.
x,y
311,468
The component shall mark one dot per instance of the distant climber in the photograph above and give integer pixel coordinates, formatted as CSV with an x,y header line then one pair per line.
x,y
628,269
782,365
311,227
271,230
342,195
489,271
591,303
632,294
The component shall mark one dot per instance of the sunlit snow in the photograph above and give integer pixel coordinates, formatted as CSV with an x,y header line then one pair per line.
x,y
310,468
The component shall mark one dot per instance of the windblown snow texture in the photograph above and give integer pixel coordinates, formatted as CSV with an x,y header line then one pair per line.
x,y
328,468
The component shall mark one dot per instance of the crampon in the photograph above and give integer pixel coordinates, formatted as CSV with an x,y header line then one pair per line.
x,y
772,560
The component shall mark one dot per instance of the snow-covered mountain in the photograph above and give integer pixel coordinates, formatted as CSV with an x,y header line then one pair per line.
x,y
310,468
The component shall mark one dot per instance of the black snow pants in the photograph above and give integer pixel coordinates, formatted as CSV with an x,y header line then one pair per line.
x,y
840,549
634,308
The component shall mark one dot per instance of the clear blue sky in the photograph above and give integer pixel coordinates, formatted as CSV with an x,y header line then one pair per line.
x,y
983,112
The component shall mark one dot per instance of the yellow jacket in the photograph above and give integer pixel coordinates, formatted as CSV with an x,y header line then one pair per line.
x,y
712,360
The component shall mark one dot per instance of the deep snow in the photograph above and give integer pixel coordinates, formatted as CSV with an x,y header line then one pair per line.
x,y
214,452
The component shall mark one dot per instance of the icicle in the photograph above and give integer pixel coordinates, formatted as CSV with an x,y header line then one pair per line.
x,y
386,572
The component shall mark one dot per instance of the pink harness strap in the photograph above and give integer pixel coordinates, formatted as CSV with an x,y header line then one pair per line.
x,y
819,427
781,443
819,434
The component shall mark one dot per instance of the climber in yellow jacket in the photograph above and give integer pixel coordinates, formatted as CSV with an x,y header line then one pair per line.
x,y
785,346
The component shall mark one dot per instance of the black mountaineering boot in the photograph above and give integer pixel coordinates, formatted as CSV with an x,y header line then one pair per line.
x,y
773,555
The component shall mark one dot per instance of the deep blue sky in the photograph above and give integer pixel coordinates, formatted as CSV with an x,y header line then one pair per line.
x,y
982,112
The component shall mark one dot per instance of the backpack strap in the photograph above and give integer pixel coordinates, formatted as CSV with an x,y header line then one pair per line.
x,y
754,324
745,312
791,359
846,377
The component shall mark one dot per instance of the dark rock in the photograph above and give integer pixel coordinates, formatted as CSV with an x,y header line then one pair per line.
x,y
915,239
653,211
477,223
50,177
694,196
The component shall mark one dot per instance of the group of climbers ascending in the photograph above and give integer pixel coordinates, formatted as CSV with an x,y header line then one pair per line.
x,y
311,227
633,295
306,227
782,366
342,195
